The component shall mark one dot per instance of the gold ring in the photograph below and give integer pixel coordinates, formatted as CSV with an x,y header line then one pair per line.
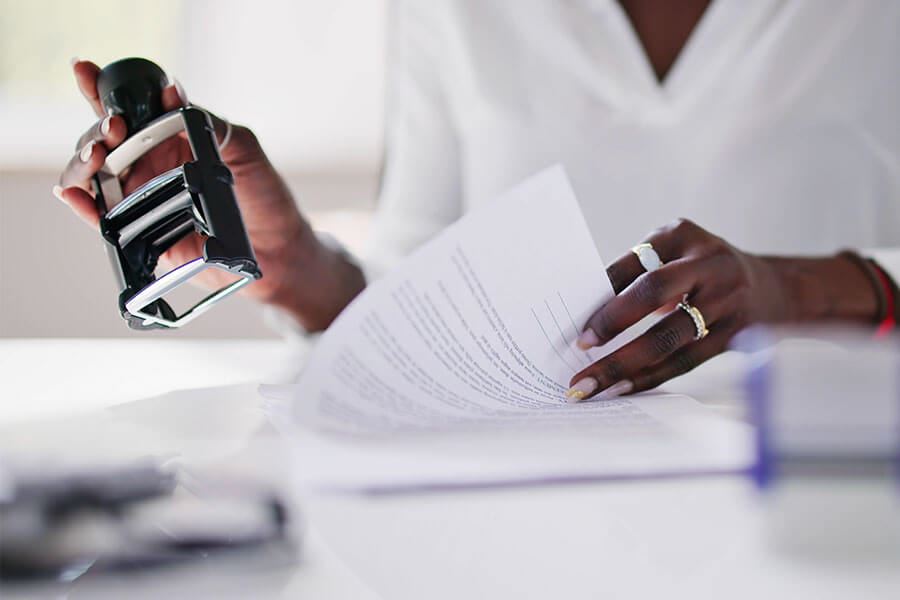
x,y
697,317
648,257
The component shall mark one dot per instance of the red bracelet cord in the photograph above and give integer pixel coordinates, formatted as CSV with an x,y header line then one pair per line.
x,y
889,322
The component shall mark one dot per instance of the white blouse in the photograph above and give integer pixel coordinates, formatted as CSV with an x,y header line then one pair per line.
x,y
777,127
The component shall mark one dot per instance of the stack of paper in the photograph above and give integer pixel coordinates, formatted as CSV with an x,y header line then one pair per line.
x,y
451,371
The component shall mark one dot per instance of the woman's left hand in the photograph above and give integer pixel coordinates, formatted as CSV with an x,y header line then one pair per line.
x,y
731,289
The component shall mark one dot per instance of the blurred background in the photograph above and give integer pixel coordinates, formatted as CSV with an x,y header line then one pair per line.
x,y
305,75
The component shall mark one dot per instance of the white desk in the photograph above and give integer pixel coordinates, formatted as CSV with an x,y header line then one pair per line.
x,y
688,538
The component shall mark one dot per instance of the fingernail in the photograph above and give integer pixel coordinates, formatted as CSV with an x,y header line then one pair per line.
x,y
104,125
87,151
57,191
180,91
73,61
588,339
615,390
582,389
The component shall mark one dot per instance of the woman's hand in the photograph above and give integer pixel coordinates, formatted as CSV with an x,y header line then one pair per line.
x,y
730,288
283,241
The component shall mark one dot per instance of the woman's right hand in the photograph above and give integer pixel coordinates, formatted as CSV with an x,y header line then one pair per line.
x,y
283,241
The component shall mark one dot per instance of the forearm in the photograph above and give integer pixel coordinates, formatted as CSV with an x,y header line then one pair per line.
x,y
301,276
316,284
820,289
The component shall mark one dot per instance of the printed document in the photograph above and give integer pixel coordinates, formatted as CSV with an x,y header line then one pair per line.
x,y
472,338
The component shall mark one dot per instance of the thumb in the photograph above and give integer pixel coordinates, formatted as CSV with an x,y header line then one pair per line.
x,y
174,96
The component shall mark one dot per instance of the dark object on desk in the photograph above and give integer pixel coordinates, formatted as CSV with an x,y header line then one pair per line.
x,y
60,526
197,196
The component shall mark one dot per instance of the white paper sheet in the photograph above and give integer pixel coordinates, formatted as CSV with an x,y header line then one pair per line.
x,y
475,333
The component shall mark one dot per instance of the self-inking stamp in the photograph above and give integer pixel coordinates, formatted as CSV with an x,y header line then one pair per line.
x,y
197,196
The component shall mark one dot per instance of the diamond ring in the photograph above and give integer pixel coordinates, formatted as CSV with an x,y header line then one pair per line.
x,y
696,317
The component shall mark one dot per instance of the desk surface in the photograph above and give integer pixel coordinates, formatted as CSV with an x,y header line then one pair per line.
x,y
697,538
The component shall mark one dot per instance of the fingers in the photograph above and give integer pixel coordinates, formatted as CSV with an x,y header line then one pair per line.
x,y
110,131
627,268
95,144
220,128
173,96
84,165
650,292
219,125
673,332
92,148
698,265
685,359
86,74
80,201
658,344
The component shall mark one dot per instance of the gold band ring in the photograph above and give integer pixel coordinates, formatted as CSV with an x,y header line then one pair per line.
x,y
697,317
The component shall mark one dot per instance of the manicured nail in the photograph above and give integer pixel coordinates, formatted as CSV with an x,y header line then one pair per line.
x,y
588,339
180,91
104,125
73,61
582,389
57,191
87,151
615,390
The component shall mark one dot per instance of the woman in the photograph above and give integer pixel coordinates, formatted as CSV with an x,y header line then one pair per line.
x,y
772,123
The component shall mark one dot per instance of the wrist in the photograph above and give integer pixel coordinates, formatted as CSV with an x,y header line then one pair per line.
x,y
825,288
314,283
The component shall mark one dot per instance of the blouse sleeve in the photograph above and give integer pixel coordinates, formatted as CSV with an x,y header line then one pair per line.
x,y
420,189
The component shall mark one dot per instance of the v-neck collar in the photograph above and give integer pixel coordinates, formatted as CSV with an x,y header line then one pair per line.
x,y
725,28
